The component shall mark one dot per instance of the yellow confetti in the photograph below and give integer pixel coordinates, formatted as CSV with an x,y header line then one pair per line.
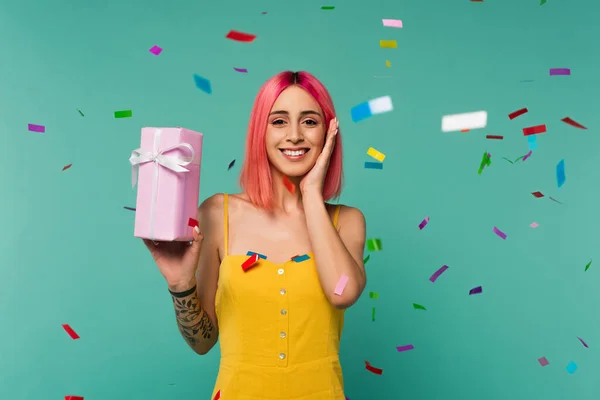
x,y
388,63
376,154
388,44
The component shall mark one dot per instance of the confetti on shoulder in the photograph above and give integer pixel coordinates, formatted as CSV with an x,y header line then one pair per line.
x,y
341,285
458,122
36,128
240,36
156,50
301,258
405,348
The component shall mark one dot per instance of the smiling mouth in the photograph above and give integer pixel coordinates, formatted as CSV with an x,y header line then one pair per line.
x,y
294,153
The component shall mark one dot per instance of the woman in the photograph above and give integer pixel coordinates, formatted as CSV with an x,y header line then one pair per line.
x,y
280,320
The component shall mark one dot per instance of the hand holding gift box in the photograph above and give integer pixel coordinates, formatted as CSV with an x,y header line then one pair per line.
x,y
166,168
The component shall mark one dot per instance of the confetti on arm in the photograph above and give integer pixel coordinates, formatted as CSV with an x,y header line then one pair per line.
x,y
405,348
388,44
36,128
392,23
240,36
373,165
244,70
587,266
374,244
374,295
560,173
583,342
537,194
437,273
66,167
543,361
289,185
250,262
476,290
572,367
372,369
202,84
341,285
327,7
123,114
376,154
457,122
70,331
560,71
498,137
573,123
419,307
80,112
500,233
517,113
424,223
231,164
372,107
301,258
156,50
251,253
534,130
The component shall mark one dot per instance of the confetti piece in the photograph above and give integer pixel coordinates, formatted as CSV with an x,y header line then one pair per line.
x,y
372,369
129,208
419,307
376,154
202,84
373,165
123,114
437,273
587,266
155,50
388,44
543,361
327,7
573,123
66,167
231,164
500,233
73,398
554,200
36,128
372,107
476,290
251,253
526,156
542,2
193,223
517,113
485,161
537,194
250,262
80,113
494,137
341,285
465,130
456,122
388,63
374,244
240,36
424,223
532,142
374,295
218,395
366,259
534,225
70,331
560,71
240,69
301,258
392,23
508,160
583,342
289,185
405,348
572,367
560,173
373,314
534,130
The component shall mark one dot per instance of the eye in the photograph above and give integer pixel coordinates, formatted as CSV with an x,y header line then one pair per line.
x,y
311,122
278,122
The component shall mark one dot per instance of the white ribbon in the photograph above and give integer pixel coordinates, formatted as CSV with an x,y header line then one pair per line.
x,y
174,163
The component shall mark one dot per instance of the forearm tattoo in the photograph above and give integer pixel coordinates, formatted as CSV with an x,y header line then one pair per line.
x,y
194,324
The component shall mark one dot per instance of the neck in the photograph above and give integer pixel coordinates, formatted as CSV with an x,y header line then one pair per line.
x,y
283,199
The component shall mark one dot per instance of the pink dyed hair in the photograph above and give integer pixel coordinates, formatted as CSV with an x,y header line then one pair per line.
x,y
255,177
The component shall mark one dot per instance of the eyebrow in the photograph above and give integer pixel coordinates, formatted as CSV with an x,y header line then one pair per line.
x,y
307,112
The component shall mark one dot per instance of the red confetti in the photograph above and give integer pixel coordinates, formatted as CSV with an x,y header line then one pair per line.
x,y
517,113
372,369
192,222
66,167
494,137
250,262
218,395
537,194
534,130
240,36
573,123
73,398
70,331
289,185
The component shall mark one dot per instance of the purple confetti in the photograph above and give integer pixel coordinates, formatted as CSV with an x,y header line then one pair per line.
x,y
583,342
437,273
240,69
500,233
424,223
36,128
527,155
560,71
543,361
405,348
476,290
155,50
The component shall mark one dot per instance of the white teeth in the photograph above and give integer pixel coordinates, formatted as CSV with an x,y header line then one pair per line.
x,y
294,153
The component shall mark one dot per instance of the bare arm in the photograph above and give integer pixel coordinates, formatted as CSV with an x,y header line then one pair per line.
x,y
195,309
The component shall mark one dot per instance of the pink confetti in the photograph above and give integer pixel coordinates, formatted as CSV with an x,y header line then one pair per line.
x,y
392,23
424,223
437,273
534,225
500,233
341,285
155,50
543,361
583,342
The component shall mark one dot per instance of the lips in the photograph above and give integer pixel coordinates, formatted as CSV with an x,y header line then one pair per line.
x,y
295,152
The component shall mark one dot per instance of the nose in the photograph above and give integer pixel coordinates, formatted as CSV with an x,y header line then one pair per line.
x,y
295,134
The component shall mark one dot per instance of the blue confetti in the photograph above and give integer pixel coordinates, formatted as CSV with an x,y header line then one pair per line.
x,y
301,258
560,173
531,139
373,165
572,367
202,84
251,253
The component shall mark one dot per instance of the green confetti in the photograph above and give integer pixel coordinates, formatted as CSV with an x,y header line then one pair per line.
x,y
588,265
512,162
374,295
374,244
542,2
123,114
80,112
418,307
327,7
373,315
485,161
366,259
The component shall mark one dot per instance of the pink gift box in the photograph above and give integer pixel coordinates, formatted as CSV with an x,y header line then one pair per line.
x,y
166,168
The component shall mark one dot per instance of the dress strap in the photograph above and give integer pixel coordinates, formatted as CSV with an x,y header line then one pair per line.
x,y
226,223
336,214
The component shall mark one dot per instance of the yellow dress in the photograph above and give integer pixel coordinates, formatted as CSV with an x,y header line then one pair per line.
x,y
278,333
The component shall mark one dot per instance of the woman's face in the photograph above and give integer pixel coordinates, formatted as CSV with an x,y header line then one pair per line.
x,y
295,132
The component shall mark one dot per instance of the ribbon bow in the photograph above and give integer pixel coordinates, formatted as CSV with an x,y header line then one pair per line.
x,y
174,163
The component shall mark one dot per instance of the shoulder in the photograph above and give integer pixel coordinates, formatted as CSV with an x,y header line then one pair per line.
x,y
350,218
210,213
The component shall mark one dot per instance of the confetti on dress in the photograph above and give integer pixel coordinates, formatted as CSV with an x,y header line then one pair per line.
x,y
534,130
156,50
517,113
250,262
424,223
231,164
244,70
583,342
373,165
419,307
560,173
36,128
372,107
476,290
458,122
500,233
392,23
571,367
251,253
240,36
587,266
341,285
301,258
202,84
123,114
543,361
217,395
437,273
560,71
538,195
374,244
405,348
70,331
372,369
569,121
66,167
379,156
388,44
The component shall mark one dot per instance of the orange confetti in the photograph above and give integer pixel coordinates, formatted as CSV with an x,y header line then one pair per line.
x,y
289,185
465,130
66,167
